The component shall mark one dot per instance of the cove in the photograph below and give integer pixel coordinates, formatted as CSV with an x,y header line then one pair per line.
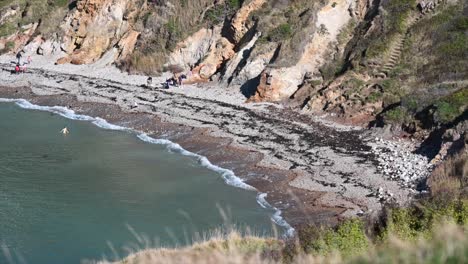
x,y
98,193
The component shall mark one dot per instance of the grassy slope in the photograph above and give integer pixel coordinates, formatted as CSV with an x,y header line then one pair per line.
x,y
431,230
434,65
430,74
414,235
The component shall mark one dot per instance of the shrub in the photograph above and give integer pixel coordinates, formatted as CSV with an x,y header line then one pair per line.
x,y
354,84
215,15
50,23
331,69
7,29
61,3
374,97
348,238
394,21
450,107
398,11
282,32
448,245
218,13
420,220
450,177
10,45
396,115
455,45
147,63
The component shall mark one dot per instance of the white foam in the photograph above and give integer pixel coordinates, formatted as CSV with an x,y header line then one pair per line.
x,y
228,175
104,124
276,218
65,112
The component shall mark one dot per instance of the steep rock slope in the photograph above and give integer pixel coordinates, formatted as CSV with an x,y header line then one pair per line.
x,y
95,26
279,83
398,64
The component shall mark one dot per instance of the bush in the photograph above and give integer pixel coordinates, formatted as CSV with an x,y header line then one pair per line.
x,y
420,220
348,238
219,13
61,3
449,245
450,177
396,115
455,45
398,11
10,45
394,21
452,106
147,63
280,33
374,97
7,29
331,69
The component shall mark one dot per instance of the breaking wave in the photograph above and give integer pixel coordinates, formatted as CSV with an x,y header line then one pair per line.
x,y
228,175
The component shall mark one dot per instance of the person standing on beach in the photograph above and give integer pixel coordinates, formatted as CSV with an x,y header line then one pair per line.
x,y
179,80
29,60
149,82
18,57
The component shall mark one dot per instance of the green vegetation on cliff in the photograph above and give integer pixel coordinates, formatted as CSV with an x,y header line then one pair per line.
x,y
432,70
422,233
430,230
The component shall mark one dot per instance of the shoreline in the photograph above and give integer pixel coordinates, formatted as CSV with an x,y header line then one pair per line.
x,y
148,138
228,176
309,171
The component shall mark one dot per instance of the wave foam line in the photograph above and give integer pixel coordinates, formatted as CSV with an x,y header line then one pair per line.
x,y
65,112
228,175
276,218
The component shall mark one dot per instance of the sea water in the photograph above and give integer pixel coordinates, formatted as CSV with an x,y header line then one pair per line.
x,y
101,193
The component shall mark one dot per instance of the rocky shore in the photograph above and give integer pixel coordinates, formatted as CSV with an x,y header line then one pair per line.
x,y
310,170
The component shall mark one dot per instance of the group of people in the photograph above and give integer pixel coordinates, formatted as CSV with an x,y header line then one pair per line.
x,y
175,80
21,66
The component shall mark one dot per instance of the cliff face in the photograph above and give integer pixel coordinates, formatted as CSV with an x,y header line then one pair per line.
x,y
96,26
280,83
224,42
232,44
364,61
218,47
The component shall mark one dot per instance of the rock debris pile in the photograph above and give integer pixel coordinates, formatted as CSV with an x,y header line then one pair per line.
x,y
397,162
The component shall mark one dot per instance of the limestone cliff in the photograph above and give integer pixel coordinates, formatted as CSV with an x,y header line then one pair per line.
x,y
95,26
279,83
366,62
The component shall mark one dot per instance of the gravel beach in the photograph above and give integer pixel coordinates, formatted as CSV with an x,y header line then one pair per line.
x,y
310,170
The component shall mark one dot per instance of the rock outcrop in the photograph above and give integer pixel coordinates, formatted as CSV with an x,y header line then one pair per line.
x,y
238,27
284,81
195,48
95,26
208,50
19,38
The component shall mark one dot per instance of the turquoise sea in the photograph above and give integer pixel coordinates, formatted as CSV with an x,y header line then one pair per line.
x,y
100,193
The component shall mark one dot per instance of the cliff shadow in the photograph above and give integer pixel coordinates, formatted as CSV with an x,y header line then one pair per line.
x,y
249,88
